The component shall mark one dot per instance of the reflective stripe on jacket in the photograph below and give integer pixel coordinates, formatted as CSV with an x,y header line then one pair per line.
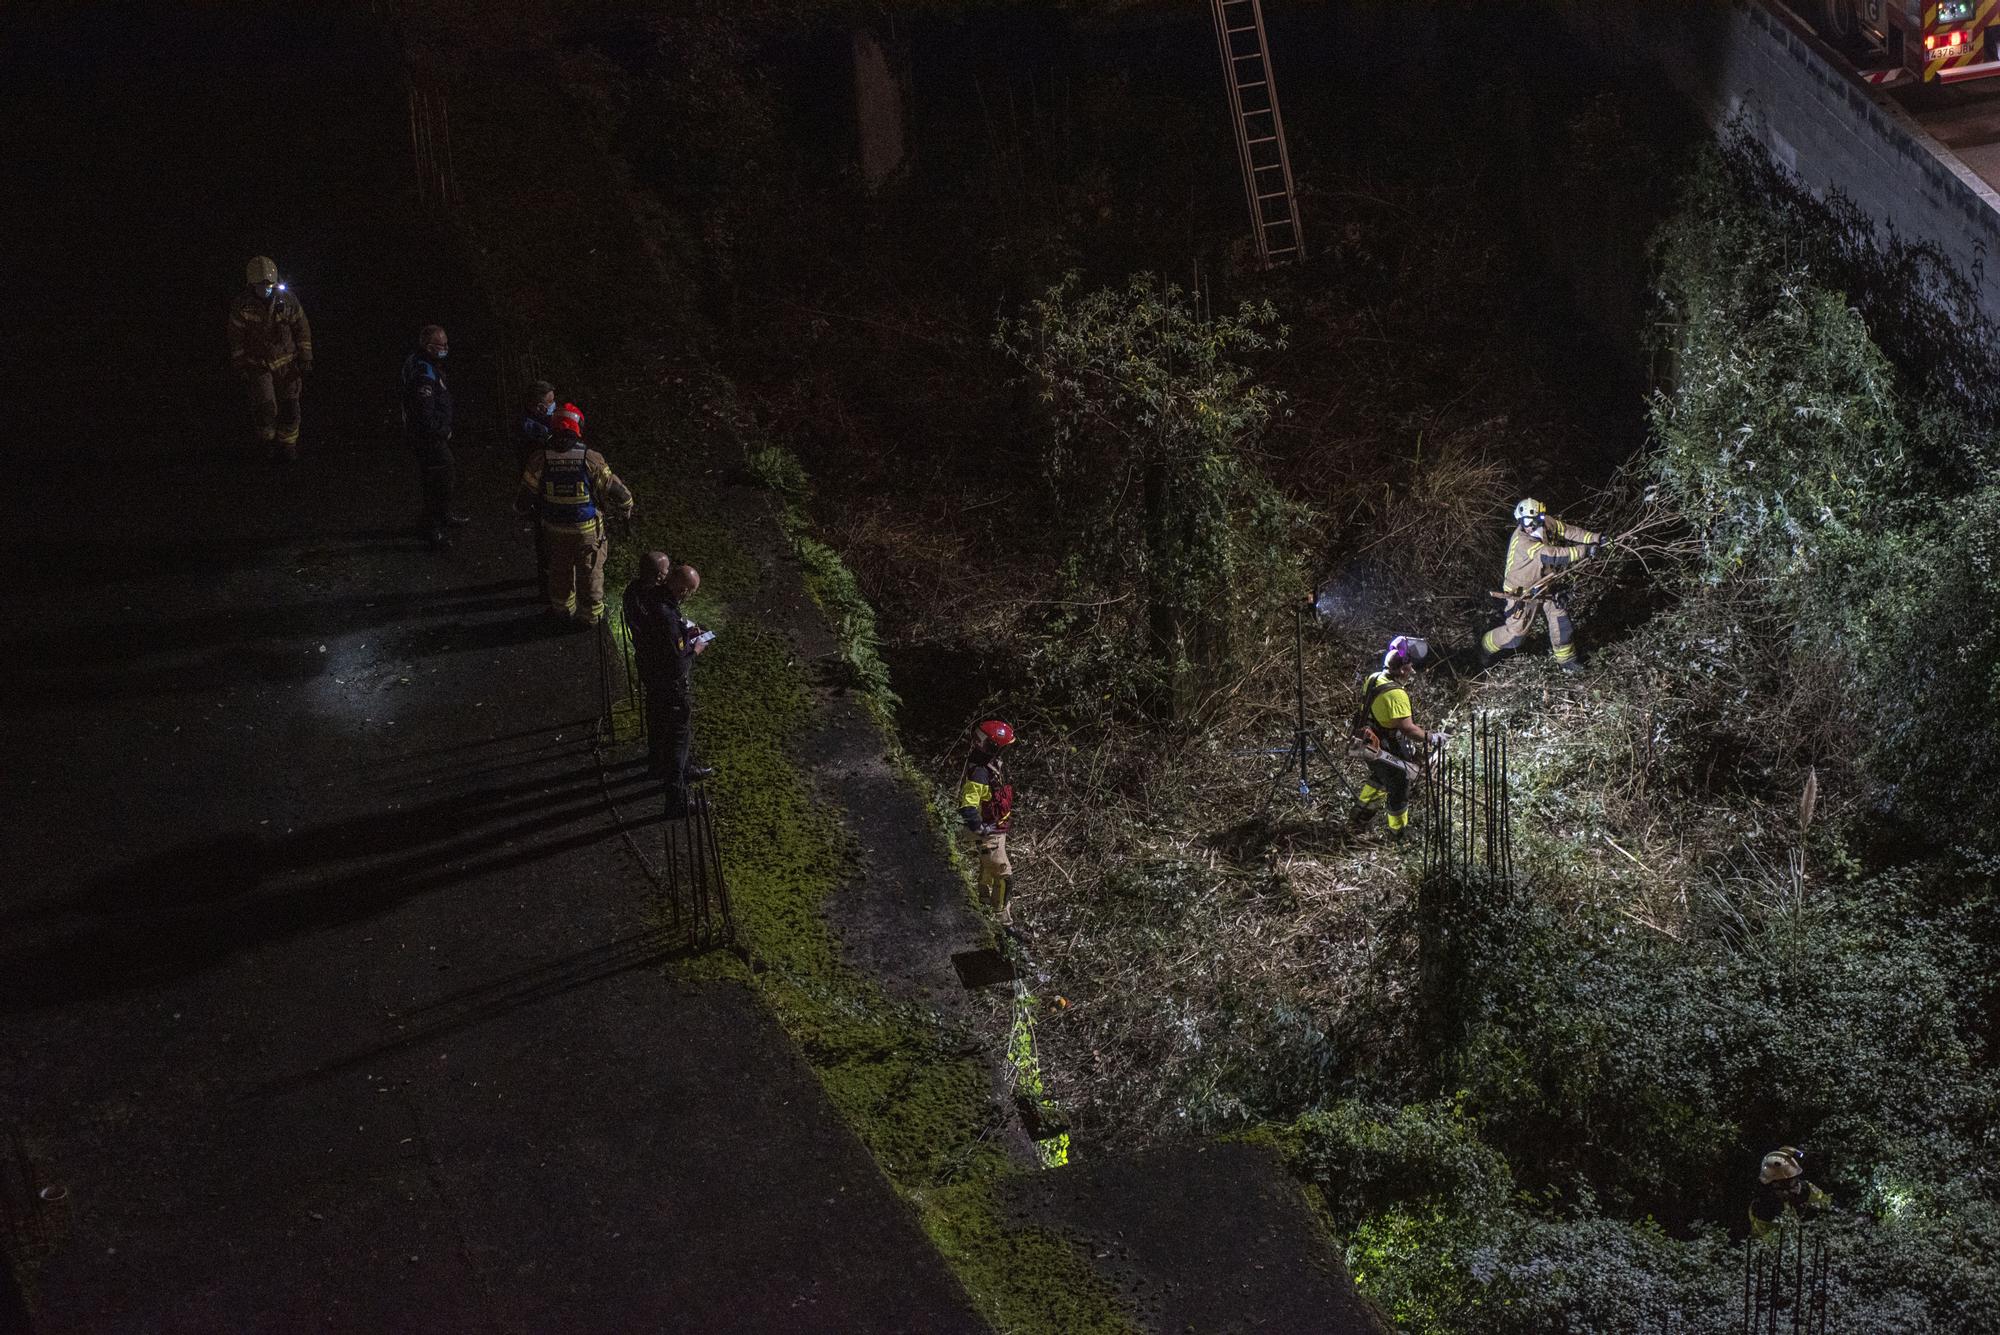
x,y
1530,560
562,488
265,334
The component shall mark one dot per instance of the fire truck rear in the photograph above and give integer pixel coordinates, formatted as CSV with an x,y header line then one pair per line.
x,y
1923,41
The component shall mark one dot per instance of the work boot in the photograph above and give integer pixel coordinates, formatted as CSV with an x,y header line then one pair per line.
x,y
1486,657
1572,665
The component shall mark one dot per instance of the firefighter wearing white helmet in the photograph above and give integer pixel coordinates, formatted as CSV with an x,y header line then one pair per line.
x,y
986,809
1782,1187
271,347
1540,546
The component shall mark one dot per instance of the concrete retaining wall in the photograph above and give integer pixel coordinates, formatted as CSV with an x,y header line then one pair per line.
x,y
1738,58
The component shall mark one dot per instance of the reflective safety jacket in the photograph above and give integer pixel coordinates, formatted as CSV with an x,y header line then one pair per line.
x,y
985,798
268,333
561,487
1384,706
1530,560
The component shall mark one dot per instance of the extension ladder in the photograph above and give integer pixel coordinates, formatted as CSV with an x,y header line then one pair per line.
x,y
1260,131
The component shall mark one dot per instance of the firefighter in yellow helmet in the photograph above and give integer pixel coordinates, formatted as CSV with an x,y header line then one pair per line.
x,y
567,486
1782,1188
271,347
1385,726
986,809
1541,546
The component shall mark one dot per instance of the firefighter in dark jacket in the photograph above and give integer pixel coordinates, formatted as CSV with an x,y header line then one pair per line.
x,y
427,416
1385,726
986,809
1541,546
271,347
568,487
666,643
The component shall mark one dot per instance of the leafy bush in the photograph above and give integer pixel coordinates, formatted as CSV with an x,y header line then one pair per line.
x,y
1179,536
1655,1070
1832,480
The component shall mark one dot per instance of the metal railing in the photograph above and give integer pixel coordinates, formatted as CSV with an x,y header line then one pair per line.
x,y
1785,1285
697,891
1468,820
621,714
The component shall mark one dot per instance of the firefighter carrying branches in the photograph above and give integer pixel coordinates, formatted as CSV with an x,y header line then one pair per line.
x,y
1385,728
1541,547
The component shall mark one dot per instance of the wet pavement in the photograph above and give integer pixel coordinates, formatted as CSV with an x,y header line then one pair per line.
x,y
327,987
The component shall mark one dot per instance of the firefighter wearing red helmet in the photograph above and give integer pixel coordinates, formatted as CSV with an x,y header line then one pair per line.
x,y
567,487
986,808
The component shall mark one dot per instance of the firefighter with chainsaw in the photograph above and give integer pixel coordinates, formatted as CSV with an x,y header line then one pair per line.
x,y
1782,1189
1540,548
567,486
1386,730
986,809
271,347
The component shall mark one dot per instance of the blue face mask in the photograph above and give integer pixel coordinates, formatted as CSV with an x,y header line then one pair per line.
x,y
438,354
548,410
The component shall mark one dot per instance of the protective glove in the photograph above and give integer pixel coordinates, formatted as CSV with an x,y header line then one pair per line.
x,y
1434,740
1593,548
305,366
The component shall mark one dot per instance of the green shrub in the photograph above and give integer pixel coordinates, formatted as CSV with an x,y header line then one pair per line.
x,y
1830,475
1178,537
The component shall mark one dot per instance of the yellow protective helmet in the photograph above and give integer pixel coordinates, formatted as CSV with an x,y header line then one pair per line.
x,y
262,269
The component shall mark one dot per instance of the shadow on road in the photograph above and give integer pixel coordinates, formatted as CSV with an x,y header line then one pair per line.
x,y
173,914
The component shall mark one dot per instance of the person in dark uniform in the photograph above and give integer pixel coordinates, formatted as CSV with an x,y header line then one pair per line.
x,y
427,415
666,645
532,433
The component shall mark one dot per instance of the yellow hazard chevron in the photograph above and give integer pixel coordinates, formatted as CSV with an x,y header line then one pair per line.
x,y
1958,57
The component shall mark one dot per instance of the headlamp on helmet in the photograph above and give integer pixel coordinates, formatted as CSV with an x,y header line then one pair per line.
x,y
1530,512
1782,1164
1406,649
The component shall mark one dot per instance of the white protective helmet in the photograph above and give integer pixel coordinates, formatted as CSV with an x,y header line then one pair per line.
x,y
1529,512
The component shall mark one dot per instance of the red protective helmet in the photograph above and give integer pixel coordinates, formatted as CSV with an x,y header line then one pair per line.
x,y
569,418
993,734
